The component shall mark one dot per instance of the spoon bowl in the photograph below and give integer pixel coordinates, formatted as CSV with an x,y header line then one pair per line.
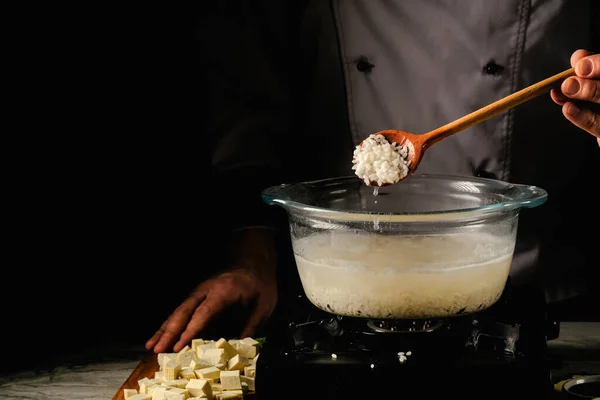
x,y
417,144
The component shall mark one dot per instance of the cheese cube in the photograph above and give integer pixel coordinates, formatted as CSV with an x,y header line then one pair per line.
x,y
216,387
228,348
199,363
187,373
145,383
230,395
160,375
127,393
250,341
159,393
141,396
170,395
199,388
250,371
206,346
178,390
246,350
176,383
152,389
163,358
208,373
214,356
237,362
230,380
196,343
172,369
185,358
185,348
249,381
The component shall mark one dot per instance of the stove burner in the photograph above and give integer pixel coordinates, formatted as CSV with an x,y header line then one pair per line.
x,y
408,326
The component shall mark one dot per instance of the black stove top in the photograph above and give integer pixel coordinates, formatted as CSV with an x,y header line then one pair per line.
x,y
498,353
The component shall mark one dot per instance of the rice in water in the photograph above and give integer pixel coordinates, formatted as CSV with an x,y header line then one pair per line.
x,y
379,276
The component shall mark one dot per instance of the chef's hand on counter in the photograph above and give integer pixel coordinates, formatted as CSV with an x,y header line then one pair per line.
x,y
251,282
584,88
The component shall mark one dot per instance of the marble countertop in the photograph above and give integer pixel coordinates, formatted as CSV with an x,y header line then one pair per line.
x,y
99,373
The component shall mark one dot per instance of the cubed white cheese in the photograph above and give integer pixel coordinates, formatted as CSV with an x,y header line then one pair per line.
x,y
210,373
187,373
214,356
159,393
230,380
246,350
185,348
170,395
172,369
250,341
230,395
186,358
250,371
163,358
248,380
141,396
199,363
178,390
127,393
145,383
237,362
228,348
199,388
196,343
176,383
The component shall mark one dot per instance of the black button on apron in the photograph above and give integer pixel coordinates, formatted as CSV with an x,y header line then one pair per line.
x,y
491,68
364,65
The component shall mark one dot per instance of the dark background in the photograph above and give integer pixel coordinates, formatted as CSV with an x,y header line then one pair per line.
x,y
115,214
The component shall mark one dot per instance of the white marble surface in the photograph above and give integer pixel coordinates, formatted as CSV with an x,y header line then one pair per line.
x,y
100,373
96,374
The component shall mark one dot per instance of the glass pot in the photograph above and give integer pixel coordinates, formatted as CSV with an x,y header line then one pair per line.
x,y
430,246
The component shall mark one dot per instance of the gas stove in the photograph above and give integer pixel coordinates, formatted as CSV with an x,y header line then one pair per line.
x,y
499,353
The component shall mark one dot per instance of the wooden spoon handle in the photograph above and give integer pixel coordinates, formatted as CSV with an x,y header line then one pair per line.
x,y
497,107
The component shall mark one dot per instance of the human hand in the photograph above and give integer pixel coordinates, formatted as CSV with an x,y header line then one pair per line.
x,y
579,95
251,283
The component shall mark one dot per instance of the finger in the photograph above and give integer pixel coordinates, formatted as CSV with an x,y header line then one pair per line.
x,y
581,89
257,318
177,322
588,67
155,338
205,312
582,118
578,55
557,96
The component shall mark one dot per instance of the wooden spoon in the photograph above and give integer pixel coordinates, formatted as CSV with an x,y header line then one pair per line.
x,y
418,144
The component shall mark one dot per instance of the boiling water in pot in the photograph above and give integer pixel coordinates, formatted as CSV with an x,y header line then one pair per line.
x,y
379,276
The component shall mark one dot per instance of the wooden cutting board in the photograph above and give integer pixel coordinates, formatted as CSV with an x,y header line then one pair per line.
x,y
145,369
